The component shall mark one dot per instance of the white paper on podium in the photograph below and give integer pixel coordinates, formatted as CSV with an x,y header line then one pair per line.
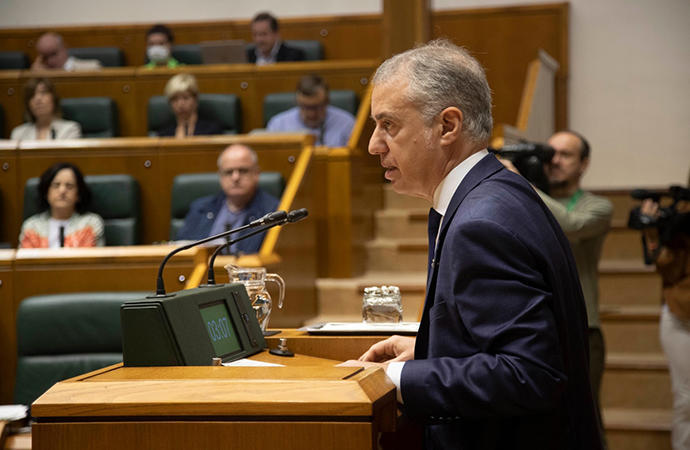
x,y
363,328
251,363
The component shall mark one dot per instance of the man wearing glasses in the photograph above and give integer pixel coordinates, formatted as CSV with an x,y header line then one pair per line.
x,y
239,202
331,125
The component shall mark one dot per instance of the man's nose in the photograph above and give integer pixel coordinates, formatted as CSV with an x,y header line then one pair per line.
x,y
376,145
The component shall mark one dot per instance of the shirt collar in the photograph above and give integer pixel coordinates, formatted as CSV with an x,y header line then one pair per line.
x,y
272,57
446,189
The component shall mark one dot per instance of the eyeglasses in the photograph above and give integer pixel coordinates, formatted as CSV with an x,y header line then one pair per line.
x,y
241,171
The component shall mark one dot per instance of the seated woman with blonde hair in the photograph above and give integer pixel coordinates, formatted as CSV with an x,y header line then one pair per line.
x,y
64,222
42,112
183,94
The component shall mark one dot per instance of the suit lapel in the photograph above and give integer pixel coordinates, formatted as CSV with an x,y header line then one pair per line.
x,y
486,167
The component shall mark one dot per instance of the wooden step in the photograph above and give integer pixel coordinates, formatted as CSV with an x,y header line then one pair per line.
x,y
622,243
391,255
631,328
636,380
637,429
401,223
628,282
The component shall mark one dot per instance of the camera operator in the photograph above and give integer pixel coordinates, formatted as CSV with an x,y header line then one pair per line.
x,y
673,264
585,219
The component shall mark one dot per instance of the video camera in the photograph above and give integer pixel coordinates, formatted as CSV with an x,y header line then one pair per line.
x,y
529,158
669,222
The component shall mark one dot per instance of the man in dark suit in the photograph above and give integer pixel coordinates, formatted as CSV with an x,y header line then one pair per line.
x,y
269,48
500,359
240,201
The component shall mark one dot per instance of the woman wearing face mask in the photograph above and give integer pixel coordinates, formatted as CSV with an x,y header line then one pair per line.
x,y
159,39
183,95
42,111
63,220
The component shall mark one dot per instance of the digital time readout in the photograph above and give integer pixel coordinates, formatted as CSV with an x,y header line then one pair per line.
x,y
220,328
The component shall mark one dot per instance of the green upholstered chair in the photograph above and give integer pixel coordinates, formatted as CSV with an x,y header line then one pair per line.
x,y
223,108
64,335
187,54
313,50
114,197
282,101
96,115
13,60
108,56
188,187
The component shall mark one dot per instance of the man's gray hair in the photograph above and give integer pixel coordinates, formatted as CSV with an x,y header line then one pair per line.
x,y
440,75
252,153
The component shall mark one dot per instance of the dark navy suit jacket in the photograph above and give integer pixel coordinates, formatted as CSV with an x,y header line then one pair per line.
x,y
285,54
203,211
501,357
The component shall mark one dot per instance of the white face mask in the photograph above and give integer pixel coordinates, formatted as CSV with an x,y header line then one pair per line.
x,y
158,53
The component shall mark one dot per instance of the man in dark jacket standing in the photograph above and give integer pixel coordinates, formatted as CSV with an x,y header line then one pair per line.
x,y
239,202
500,359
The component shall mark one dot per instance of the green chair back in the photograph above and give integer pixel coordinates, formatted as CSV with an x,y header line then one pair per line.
x,y
188,187
223,108
108,56
65,335
96,115
187,54
282,101
13,60
114,197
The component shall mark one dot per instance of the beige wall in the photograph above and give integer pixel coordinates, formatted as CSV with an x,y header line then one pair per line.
x,y
629,81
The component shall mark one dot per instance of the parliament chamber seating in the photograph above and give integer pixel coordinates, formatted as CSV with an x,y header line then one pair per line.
x,y
13,60
114,197
313,50
96,115
108,56
190,186
222,108
63,335
281,101
187,54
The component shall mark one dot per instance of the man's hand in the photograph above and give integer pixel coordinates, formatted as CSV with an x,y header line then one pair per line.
x,y
38,63
395,348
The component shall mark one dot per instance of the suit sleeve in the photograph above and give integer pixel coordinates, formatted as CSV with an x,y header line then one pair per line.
x,y
492,315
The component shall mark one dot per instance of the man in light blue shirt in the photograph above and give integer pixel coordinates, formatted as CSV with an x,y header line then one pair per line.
x,y
331,125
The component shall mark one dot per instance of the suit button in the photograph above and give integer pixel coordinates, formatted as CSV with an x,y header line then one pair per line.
x,y
209,215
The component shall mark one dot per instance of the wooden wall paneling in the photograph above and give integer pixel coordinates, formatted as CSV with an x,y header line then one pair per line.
x,y
7,320
405,24
12,99
9,205
134,156
505,40
116,83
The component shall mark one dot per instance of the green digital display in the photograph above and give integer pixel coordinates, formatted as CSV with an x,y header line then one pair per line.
x,y
220,328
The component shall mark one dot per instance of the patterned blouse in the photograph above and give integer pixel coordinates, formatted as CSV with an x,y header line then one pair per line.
x,y
82,230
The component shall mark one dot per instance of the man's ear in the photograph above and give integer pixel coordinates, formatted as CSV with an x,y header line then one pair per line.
x,y
583,165
451,123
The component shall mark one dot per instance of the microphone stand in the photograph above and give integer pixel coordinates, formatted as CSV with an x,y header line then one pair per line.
x,y
269,218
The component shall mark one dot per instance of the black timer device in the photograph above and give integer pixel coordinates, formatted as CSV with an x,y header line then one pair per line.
x,y
190,328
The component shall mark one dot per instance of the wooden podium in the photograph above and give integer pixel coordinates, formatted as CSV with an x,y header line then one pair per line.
x,y
307,404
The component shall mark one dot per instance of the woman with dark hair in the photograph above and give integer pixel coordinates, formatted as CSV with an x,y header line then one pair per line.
x,y
42,112
63,220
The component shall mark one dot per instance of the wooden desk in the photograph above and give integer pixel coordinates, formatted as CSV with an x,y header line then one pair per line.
x,y
308,404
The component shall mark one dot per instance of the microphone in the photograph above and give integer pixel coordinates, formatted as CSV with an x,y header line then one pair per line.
x,y
268,219
62,236
293,216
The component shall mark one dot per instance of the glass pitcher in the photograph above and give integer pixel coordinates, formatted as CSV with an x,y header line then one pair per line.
x,y
254,280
